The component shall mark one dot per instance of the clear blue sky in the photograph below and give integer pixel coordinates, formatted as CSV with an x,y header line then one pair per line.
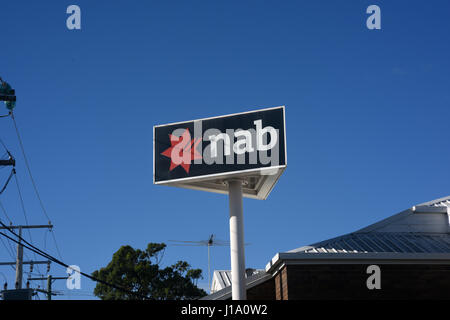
x,y
367,115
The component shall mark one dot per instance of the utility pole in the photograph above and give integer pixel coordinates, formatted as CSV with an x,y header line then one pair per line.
x,y
50,280
19,257
19,262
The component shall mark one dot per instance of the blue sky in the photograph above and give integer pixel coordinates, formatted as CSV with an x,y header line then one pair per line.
x,y
366,114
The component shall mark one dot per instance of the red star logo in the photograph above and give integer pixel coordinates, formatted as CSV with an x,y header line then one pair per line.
x,y
182,150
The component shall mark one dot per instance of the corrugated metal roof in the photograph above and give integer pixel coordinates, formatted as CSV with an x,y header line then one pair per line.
x,y
253,278
413,231
222,278
406,242
428,224
441,202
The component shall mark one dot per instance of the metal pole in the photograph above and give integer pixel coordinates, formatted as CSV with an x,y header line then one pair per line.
x,y
19,261
238,291
209,270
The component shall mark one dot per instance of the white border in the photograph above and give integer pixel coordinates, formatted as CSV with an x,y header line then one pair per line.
x,y
223,116
189,182
207,176
217,175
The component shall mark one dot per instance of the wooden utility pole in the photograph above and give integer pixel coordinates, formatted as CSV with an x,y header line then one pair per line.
x,y
19,257
50,280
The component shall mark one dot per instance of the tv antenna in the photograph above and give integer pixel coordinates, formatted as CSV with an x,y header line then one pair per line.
x,y
211,241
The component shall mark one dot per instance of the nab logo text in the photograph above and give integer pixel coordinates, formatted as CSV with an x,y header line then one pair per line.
x,y
258,145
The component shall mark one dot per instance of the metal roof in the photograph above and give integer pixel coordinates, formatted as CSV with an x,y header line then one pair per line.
x,y
253,278
397,242
421,232
222,278
441,202
425,228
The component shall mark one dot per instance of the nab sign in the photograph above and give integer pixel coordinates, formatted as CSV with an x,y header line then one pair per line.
x,y
203,154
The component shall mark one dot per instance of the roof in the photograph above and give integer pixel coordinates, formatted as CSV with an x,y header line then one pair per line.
x,y
421,232
398,242
254,277
441,202
222,278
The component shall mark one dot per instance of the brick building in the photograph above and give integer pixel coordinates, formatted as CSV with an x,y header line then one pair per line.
x,y
411,250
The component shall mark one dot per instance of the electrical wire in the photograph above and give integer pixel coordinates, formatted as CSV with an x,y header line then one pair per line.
x,y
23,205
7,181
30,246
13,173
8,248
45,240
4,146
49,257
33,182
28,166
4,211
10,252
38,251
9,243
25,215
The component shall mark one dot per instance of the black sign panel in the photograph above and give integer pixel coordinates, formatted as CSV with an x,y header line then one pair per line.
x,y
212,147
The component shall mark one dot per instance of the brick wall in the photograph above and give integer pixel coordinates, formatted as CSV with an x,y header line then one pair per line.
x,y
281,285
263,291
349,282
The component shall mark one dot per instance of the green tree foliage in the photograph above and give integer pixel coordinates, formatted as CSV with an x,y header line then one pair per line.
x,y
139,271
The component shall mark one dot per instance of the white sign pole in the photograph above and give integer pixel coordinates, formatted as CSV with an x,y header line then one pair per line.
x,y
238,291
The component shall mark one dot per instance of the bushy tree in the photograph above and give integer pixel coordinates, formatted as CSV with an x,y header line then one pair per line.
x,y
139,271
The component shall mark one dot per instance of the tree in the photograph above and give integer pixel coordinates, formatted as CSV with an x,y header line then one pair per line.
x,y
139,271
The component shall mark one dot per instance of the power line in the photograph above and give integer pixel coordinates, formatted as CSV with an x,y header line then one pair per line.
x,y
7,181
28,166
19,258
33,182
9,249
13,173
30,246
38,251
4,146
4,211
23,205
11,162
53,259
24,212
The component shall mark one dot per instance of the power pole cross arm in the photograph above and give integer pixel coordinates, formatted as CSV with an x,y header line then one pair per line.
x,y
19,260
49,279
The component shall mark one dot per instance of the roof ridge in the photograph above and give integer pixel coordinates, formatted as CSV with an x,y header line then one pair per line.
x,y
435,201
382,242
402,232
357,239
